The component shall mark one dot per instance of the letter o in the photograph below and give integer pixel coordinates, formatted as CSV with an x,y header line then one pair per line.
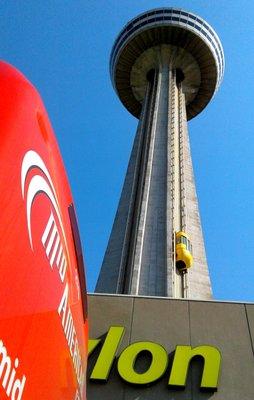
x,y
156,369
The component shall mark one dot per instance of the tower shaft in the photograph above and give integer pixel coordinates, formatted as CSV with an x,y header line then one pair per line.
x,y
158,199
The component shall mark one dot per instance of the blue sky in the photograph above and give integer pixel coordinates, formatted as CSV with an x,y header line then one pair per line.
x,y
63,48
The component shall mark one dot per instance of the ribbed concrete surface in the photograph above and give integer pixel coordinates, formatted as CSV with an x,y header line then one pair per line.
x,y
158,199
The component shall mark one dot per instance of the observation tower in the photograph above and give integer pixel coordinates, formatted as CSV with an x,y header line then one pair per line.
x,y
166,65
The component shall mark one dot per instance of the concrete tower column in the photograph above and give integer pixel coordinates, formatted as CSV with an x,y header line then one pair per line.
x,y
166,70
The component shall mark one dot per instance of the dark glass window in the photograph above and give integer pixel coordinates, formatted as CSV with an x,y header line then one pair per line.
x,y
167,16
199,20
209,30
79,257
183,240
206,26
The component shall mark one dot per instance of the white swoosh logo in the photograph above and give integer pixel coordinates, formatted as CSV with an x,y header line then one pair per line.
x,y
38,184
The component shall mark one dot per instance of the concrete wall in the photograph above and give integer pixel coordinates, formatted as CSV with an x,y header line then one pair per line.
x,y
228,326
159,196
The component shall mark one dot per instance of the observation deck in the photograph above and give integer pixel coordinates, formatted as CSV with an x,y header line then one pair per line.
x,y
192,46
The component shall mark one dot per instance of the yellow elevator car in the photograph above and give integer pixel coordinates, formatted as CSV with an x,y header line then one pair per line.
x,y
184,258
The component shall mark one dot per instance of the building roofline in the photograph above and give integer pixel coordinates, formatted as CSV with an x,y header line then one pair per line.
x,y
170,298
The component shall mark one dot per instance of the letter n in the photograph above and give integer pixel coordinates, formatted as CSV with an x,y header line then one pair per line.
x,y
182,359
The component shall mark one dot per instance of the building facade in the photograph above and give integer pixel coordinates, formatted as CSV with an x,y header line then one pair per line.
x,y
224,326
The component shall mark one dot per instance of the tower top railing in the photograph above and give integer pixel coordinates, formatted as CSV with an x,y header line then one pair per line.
x,y
170,18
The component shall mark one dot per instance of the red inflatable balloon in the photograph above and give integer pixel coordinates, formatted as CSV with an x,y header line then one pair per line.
x,y
43,326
